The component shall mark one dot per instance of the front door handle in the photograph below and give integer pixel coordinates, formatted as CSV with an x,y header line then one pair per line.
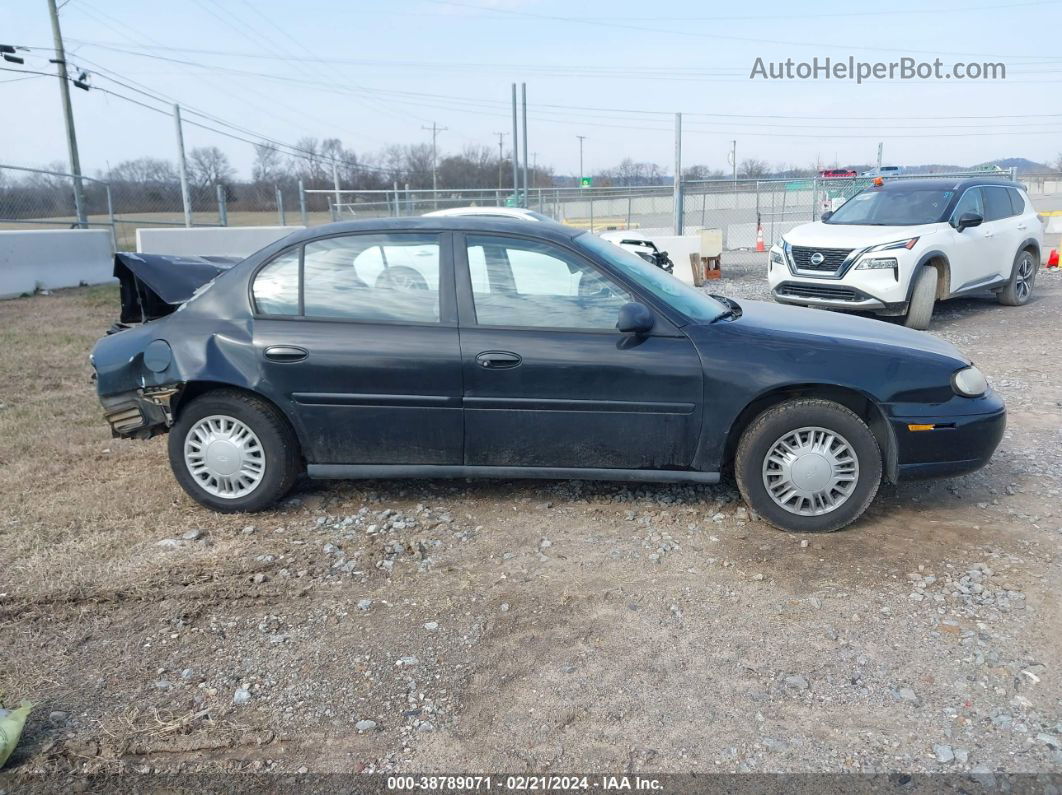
x,y
286,353
498,360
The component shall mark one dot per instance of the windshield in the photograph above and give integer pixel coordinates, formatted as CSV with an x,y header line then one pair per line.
x,y
689,301
877,207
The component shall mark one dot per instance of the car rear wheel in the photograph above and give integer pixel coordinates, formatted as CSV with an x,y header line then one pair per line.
x,y
233,452
1022,278
808,465
923,297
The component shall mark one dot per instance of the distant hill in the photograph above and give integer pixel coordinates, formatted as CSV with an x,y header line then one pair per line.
x,y
1023,165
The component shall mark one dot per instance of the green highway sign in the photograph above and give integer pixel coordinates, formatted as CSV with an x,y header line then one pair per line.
x,y
586,182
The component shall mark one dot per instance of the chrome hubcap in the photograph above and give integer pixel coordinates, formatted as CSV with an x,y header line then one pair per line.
x,y
1023,285
810,471
224,456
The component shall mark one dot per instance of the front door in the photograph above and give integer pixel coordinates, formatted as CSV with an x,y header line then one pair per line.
x,y
550,382
365,355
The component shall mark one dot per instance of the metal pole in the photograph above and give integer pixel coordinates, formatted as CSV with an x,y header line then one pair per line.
x,y
223,211
182,167
523,101
678,174
409,202
516,139
733,158
581,174
398,208
110,215
302,205
591,213
880,146
335,182
280,206
68,117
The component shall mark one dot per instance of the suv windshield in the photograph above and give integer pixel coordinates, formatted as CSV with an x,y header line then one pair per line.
x,y
689,301
908,207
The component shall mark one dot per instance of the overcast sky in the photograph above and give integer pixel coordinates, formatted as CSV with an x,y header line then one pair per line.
x,y
373,72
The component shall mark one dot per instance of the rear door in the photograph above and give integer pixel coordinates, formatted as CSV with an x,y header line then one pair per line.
x,y
550,382
1001,235
363,350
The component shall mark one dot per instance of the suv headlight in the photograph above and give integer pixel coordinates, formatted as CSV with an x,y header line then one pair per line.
x,y
908,244
876,263
776,255
969,382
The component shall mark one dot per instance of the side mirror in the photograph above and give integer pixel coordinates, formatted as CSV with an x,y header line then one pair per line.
x,y
635,319
967,220
662,254
826,215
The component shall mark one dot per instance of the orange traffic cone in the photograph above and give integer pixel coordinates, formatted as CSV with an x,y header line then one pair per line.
x,y
759,238
1052,259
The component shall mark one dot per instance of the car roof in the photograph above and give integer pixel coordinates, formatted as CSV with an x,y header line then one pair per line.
x,y
441,223
941,183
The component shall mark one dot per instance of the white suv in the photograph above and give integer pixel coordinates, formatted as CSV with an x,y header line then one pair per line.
x,y
898,247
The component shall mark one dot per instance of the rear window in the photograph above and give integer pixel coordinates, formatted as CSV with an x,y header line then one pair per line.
x,y
1017,203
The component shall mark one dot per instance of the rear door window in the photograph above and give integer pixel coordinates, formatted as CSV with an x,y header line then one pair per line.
x,y
997,203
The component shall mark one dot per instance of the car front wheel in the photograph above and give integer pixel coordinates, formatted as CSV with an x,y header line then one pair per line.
x,y
923,298
808,465
233,452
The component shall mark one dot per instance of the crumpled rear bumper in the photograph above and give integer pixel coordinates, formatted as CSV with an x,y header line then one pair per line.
x,y
140,414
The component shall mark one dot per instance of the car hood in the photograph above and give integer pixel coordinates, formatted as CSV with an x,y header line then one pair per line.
x,y
835,328
853,235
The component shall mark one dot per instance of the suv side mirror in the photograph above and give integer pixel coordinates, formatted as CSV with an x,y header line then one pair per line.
x,y
635,319
967,220
826,215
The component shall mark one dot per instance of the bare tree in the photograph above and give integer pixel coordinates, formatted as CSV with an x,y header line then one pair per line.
x,y
209,166
751,168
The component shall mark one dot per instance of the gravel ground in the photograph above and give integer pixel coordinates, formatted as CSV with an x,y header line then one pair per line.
x,y
545,626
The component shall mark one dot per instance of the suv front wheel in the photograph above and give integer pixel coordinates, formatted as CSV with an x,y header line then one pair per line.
x,y
923,298
808,465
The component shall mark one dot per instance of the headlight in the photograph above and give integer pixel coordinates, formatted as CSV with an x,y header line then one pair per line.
x,y
908,244
969,382
776,257
876,263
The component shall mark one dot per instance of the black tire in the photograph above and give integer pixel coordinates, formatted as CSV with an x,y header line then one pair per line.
x,y
1022,279
773,424
923,298
279,445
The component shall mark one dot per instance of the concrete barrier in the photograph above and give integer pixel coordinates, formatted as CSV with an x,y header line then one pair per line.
x,y
210,241
49,259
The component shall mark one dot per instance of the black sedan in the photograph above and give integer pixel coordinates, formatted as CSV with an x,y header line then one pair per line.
x,y
455,347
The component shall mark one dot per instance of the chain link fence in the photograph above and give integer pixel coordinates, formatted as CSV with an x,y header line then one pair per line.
x,y
35,198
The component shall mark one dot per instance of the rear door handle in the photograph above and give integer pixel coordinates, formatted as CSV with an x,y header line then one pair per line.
x,y
286,353
498,360
1021,226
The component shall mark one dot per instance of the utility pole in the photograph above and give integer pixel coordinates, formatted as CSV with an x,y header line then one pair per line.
x,y
435,130
581,175
516,159
881,145
732,157
678,174
501,155
68,115
182,168
523,100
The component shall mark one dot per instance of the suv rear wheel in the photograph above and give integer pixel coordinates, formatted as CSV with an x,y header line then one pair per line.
x,y
808,465
923,298
233,452
1022,278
